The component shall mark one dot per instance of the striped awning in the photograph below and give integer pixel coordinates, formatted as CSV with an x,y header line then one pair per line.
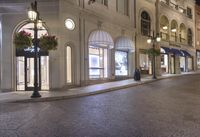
x,y
124,43
100,38
185,53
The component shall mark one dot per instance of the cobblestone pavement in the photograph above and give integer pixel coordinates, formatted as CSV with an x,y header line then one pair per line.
x,y
166,108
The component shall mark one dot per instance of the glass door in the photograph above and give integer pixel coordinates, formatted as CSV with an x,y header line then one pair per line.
x,y
29,74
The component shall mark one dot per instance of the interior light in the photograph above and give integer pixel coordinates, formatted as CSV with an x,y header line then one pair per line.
x,y
173,30
165,27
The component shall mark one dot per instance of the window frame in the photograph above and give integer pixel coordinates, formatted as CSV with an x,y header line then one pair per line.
x,y
126,7
145,31
127,53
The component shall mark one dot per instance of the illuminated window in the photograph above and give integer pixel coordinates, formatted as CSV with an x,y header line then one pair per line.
x,y
121,63
97,63
69,64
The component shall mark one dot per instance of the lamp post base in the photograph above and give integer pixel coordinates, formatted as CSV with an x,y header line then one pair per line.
x,y
35,94
154,77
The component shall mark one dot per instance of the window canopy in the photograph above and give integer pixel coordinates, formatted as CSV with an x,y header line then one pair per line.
x,y
124,43
100,38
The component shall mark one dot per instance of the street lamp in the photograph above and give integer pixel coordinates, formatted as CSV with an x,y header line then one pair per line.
x,y
153,39
33,15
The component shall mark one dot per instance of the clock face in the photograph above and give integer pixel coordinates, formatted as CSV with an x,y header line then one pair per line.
x,y
69,24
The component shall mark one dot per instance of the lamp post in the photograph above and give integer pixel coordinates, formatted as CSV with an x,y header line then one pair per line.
x,y
33,15
153,39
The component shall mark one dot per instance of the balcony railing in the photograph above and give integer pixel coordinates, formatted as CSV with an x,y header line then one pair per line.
x,y
164,36
177,7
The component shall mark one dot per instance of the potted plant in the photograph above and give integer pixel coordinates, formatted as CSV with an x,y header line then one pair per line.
x,y
22,40
47,43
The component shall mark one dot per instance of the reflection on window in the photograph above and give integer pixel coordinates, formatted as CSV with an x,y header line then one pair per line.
x,y
97,63
121,63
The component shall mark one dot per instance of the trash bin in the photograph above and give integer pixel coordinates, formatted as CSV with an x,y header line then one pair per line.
x,y
137,75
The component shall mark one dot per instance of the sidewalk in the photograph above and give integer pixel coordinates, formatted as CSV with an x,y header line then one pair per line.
x,y
23,96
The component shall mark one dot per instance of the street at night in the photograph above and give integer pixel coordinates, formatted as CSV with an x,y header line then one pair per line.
x,y
166,108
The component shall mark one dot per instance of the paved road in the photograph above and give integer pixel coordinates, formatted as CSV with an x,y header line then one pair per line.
x,y
166,108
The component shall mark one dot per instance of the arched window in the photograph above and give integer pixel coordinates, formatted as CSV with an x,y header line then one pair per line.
x,y
68,65
189,37
145,23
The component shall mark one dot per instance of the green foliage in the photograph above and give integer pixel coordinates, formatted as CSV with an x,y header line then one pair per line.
x,y
22,40
48,43
153,52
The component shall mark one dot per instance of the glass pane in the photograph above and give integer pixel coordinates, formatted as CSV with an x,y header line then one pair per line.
x,y
97,62
182,64
30,72
121,63
20,74
164,63
69,64
172,65
189,64
44,72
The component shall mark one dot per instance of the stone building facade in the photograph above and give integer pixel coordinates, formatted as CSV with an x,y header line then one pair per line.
x,y
97,42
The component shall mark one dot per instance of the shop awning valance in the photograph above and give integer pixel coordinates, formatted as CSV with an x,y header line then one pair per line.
x,y
176,52
185,53
124,43
167,50
100,38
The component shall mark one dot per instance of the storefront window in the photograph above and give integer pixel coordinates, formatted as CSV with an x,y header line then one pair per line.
x,y
182,64
145,64
198,59
190,66
97,63
164,63
121,63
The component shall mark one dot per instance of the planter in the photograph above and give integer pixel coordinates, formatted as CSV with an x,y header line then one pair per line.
x,y
47,43
22,40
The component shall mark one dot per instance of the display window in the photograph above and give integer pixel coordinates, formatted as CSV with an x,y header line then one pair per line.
x,y
121,63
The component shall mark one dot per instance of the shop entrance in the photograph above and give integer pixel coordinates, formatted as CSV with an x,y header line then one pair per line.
x,y
25,72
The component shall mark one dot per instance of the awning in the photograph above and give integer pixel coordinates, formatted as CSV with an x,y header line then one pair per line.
x,y
124,43
185,53
176,52
167,50
100,38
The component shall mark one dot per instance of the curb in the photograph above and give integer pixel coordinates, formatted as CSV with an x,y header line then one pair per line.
x,y
48,99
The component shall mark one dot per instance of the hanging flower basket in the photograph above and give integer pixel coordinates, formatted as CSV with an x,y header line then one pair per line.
x,y
22,40
153,52
48,43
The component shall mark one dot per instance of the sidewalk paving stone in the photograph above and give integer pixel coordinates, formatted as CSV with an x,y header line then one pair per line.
x,y
24,96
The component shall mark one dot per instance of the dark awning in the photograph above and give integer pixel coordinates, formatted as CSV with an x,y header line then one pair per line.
x,y
176,52
167,50
185,53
